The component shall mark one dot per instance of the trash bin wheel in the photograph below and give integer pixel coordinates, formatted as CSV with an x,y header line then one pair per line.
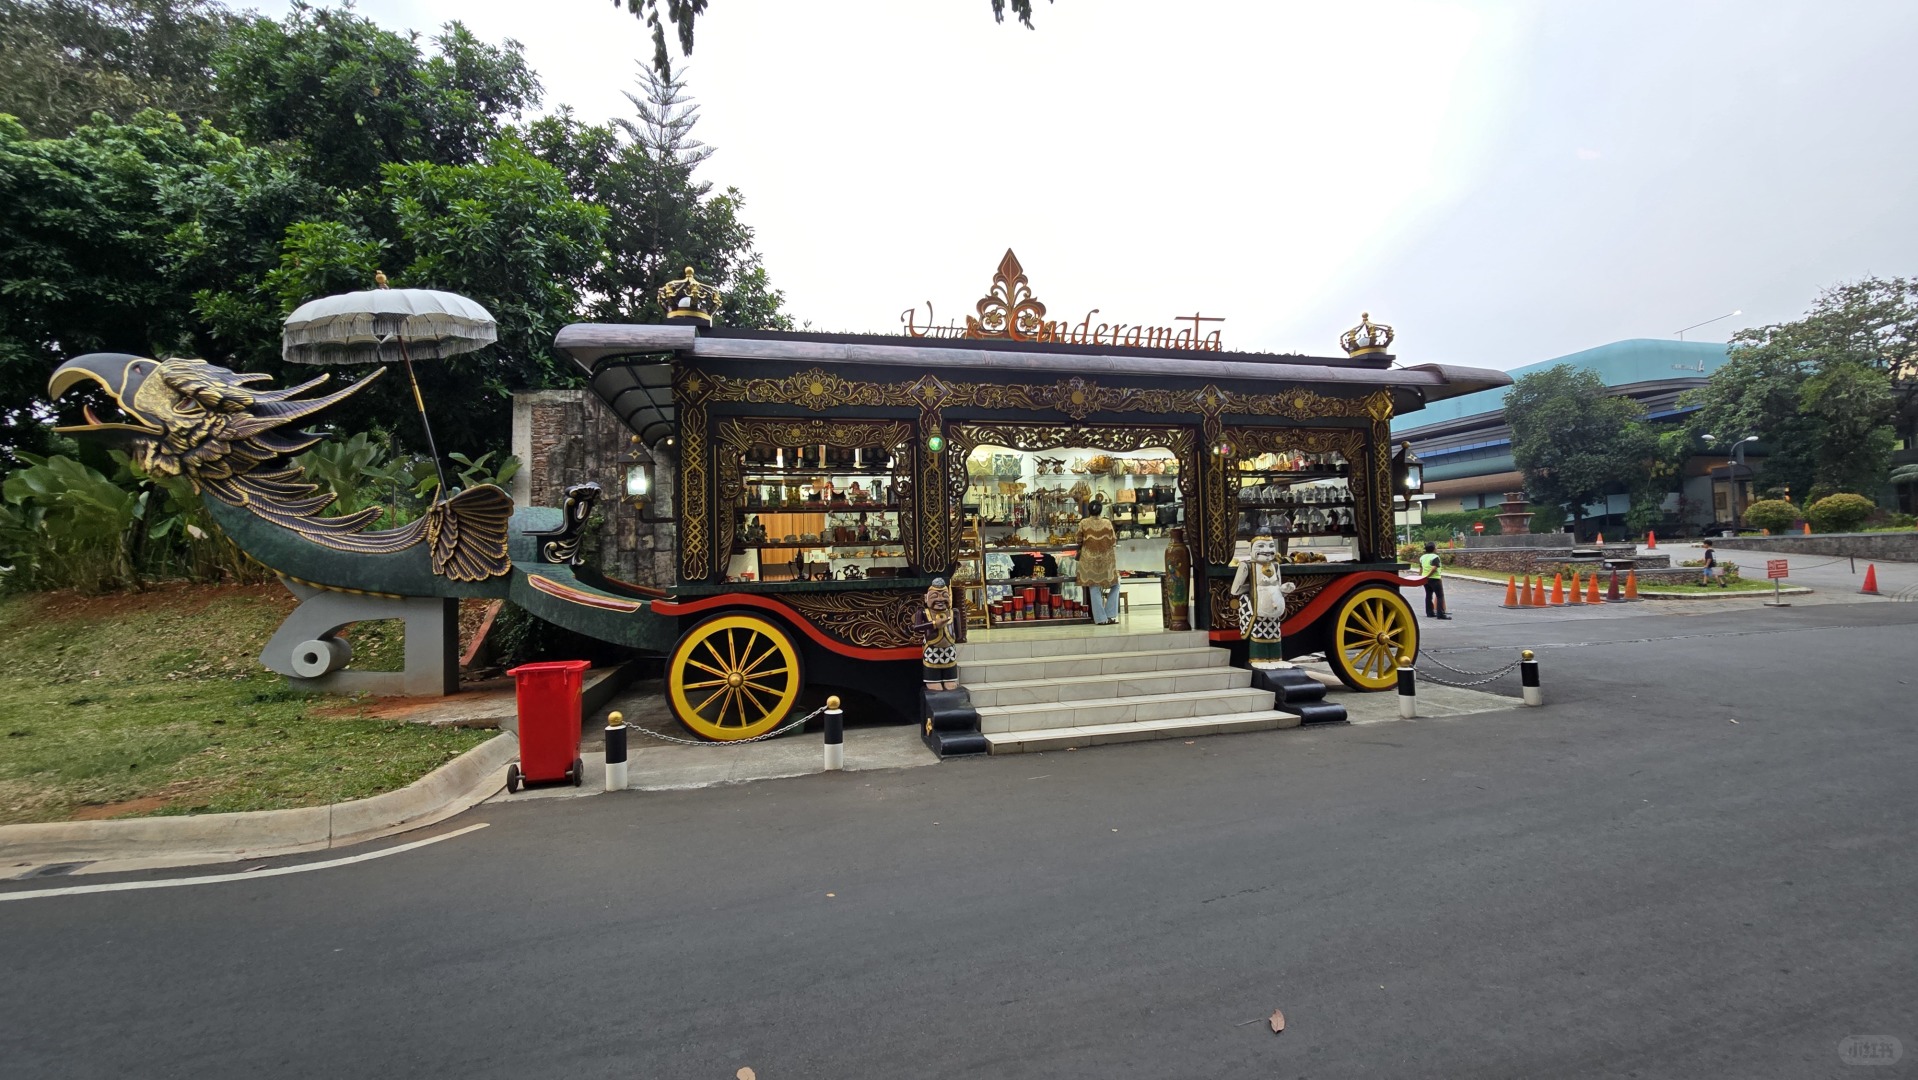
x,y
578,772
1372,633
733,676
512,778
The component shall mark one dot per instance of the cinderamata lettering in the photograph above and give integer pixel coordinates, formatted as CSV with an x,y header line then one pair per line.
x,y
1097,333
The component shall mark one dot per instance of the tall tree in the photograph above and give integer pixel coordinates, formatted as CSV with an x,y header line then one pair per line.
x,y
1576,441
662,217
61,61
347,96
84,250
1824,393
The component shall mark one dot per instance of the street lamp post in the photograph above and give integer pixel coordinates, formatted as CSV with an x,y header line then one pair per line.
x,y
1707,322
1735,473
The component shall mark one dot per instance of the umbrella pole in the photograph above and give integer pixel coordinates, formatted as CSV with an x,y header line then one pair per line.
x,y
420,403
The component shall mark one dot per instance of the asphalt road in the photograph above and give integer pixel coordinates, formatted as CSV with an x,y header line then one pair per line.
x,y
1623,884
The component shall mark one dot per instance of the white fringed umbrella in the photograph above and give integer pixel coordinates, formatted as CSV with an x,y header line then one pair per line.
x,y
381,325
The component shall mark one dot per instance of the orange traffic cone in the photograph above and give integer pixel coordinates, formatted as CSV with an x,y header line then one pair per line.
x,y
1511,591
1538,592
1601,539
1764,532
1525,592
1558,589
1807,528
1651,540
1612,595
1871,580
1631,584
1592,597
1574,597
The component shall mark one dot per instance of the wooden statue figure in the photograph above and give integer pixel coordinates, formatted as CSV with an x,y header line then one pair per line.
x,y
934,624
1261,592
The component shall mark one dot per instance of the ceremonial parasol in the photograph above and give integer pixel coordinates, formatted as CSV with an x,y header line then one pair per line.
x,y
381,325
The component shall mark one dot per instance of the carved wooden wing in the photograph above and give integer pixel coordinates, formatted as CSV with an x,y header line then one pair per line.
x,y
467,534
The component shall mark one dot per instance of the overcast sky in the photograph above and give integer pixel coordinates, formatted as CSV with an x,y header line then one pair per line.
x,y
1504,182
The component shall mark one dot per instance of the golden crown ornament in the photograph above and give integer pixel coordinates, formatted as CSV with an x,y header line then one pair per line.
x,y
689,298
1367,338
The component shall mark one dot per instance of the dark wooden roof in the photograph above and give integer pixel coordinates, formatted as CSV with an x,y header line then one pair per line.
x,y
628,364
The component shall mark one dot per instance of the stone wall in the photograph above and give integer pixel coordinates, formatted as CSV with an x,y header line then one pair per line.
x,y
1519,540
1532,560
1880,547
565,437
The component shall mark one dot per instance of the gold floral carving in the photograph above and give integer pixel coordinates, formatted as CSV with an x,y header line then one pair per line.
x,y
1009,310
817,390
868,619
1225,606
695,478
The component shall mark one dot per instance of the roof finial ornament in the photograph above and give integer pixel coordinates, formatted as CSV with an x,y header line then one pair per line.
x,y
1367,338
689,298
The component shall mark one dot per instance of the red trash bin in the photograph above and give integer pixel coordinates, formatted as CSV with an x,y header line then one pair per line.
x,y
549,722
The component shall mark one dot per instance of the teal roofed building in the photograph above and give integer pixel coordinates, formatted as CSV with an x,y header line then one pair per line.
x,y
1467,448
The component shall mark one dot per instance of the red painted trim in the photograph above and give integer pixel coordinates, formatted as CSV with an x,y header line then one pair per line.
x,y
1334,592
767,603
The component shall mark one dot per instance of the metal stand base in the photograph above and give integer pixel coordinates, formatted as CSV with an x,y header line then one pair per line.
x,y
305,650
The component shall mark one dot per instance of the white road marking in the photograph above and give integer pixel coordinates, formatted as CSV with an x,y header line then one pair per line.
x,y
254,874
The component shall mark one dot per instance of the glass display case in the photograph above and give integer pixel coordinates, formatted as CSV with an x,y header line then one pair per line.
x,y
1304,499
817,513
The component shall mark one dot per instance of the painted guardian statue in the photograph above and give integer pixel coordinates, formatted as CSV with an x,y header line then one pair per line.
x,y
1261,589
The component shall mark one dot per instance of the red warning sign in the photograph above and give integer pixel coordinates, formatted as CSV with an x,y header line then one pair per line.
x,y
1775,568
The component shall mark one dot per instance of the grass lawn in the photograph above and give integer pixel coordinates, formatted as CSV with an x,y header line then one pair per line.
x,y
155,703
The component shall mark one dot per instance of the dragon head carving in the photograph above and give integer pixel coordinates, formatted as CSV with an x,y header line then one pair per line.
x,y
197,420
234,441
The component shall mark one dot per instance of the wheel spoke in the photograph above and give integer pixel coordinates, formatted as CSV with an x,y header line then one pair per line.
x,y
704,685
768,673
751,692
772,649
707,668
701,707
732,654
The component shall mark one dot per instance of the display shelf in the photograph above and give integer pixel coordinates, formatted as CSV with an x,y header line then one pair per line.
x,y
750,471
818,508
821,546
1298,475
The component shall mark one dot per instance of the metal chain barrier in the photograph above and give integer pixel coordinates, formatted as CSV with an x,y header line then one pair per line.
x,y
1488,676
776,732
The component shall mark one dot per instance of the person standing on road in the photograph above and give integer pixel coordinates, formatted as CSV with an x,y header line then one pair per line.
x,y
1711,567
1434,570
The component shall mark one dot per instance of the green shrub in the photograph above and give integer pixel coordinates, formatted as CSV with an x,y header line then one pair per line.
x,y
1839,513
1774,514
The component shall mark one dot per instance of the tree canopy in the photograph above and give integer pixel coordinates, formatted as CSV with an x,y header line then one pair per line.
x,y
1575,441
329,148
1823,393
683,14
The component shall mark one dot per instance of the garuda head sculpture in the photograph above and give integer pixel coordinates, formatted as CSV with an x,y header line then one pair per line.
x,y
234,442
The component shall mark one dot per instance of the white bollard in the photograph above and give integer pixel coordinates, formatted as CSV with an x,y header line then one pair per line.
x,y
835,736
1528,679
1408,695
615,752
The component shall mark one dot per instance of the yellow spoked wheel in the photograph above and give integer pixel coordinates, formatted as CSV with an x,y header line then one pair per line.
x,y
733,677
1373,632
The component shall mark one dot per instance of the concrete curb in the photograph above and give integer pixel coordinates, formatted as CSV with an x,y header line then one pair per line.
x,y
140,843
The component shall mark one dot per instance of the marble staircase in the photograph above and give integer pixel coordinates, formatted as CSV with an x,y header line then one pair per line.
x,y
1052,693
